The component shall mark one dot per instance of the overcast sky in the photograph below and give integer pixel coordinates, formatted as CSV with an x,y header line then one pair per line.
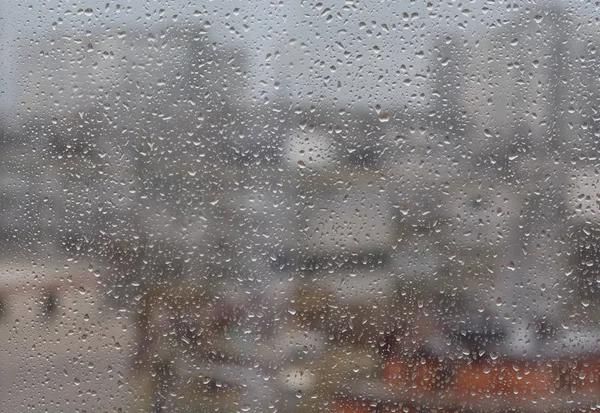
x,y
349,53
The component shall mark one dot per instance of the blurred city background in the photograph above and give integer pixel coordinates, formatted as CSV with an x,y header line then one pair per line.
x,y
300,206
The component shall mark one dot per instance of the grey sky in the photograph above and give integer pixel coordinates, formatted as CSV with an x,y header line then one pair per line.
x,y
330,52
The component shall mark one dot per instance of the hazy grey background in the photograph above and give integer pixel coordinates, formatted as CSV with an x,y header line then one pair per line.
x,y
296,35
258,189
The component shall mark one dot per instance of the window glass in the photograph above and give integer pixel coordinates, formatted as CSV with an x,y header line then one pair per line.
x,y
303,206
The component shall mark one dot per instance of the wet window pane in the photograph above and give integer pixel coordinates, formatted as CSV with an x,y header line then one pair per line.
x,y
341,207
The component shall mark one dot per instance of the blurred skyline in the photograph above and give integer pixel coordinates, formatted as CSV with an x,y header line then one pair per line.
x,y
300,206
391,44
